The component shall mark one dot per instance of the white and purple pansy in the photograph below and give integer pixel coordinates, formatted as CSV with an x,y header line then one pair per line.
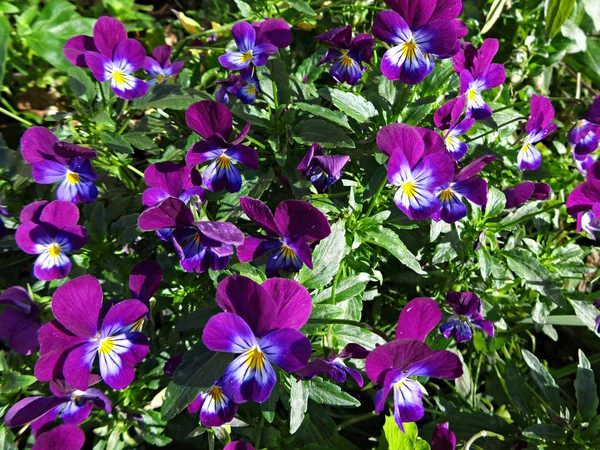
x,y
447,118
159,66
215,407
538,127
249,51
467,314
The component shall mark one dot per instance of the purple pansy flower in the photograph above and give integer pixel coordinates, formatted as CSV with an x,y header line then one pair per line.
x,y
519,194
144,280
63,437
159,66
586,196
322,170
249,50
73,405
348,53
443,438
584,138
229,85
538,127
215,407
238,445
50,230
467,307
19,322
3,212
249,88
588,224
112,58
478,74
393,364
597,305
463,184
447,118
294,226
69,344
416,168
199,245
53,160
334,365
273,31
418,30
260,324
213,121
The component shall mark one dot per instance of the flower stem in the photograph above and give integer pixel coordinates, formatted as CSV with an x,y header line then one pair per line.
x,y
134,170
259,432
14,116
495,129
274,85
482,434
376,196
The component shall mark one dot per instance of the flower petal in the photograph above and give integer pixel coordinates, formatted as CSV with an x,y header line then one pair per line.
x,y
122,316
439,364
108,32
117,364
224,232
144,280
75,48
55,342
399,354
293,304
209,119
78,364
37,144
295,219
402,137
170,213
243,154
249,377
63,437
29,409
260,213
418,318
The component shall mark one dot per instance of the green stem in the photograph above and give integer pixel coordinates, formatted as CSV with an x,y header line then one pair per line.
x,y
255,142
356,419
274,85
134,170
376,196
495,129
482,434
259,432
14,116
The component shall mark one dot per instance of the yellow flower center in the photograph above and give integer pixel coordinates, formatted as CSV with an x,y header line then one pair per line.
x,y
224,162
106,345
409,49
449,141
526,147
118,76
471,94
410,189
255,358
446,194
247,56
161,78
137,326
287,251
54,250
345,59
72,177
216,393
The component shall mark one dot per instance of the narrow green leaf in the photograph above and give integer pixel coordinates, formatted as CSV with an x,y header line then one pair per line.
x,y
302,6
557,13
386,238
543,380
298,403
327,393
586,390
493,15
5,30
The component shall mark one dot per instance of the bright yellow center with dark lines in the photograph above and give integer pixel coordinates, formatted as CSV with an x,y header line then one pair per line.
x,y
255,358
137,326
216,393
471,94
410,189
247,56
525,147
288,252
106,345
118,76
224,162
54,250
409,49
160,78
251,89
446,194
345,59
73,177
449,141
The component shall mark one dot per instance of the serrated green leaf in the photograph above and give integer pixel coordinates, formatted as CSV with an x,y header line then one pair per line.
x,y
386,238
543,380
326,258
586,389
321,132
357,107
325,113
327,393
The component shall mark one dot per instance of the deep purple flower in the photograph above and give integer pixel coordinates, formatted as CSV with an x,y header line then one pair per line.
x,y
3,212
334,365
63,437
447,118
260,324
597,305
238,445
159,66
73,405
50,230
465,184
249,87
294,226
249,50
538,127
416,168
199,245
394,363
322,170
144,280
53,161
273,31
419,31
226,87
588,224
213,121
467,307
584,138
586,196
583,163
172,364
215,407
519,194
348,53
443,438
19,322
69,344
110,56
478,74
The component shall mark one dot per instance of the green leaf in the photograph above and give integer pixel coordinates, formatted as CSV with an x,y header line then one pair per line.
x,y
326,258
81,84
416,111
346,289
140,140
298,403
592,8
197,372
168,96
321,132
586,312
557,13
7,439
357,107
327,393
394,439
518,391
493,15
268,406
244,8
348,334
543,380
5,30
255,184
116,142
13,381
8,8
386,238
586,390
302,6
388,90
326,113
496,203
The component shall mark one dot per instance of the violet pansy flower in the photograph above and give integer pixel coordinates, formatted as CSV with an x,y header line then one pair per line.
x,y
249,87
273,31
144,280
447,118
215,407
199,245
69,344
583,137
334,365
294,226
395,363
589,224
521,193
213,121
465,184
443,438
418,31
63,437
538,127
229,85
55,161
238,445
3,212
260,325
467,309
159,66
19,322
249,51
348,54
107,32
416,168
73,405
597,305
478,74
50,230
322,170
